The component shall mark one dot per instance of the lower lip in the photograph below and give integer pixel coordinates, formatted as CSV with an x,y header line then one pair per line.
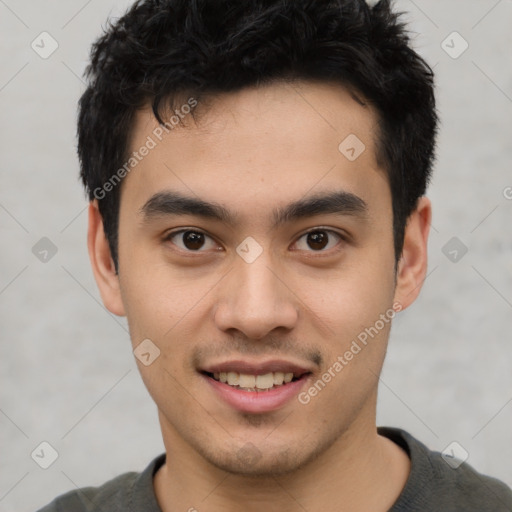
x,y
257,401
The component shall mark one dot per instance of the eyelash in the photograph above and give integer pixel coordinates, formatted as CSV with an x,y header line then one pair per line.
x,y
343,238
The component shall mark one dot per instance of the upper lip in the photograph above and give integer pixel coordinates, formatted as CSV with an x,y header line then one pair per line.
x,y
257,368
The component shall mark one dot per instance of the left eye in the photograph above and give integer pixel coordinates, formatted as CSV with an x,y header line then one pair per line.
x,y
318,240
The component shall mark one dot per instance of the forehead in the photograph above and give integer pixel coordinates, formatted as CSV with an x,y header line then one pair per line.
x,y
259,146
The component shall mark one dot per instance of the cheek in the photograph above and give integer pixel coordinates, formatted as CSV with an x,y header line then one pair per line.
x,y
358,310
161,309
157,305
153,300
170,307
352,298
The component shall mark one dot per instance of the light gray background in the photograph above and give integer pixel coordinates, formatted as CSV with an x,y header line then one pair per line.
x,y
68,374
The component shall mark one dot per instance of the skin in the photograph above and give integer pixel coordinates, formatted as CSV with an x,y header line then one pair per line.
x,y
252,151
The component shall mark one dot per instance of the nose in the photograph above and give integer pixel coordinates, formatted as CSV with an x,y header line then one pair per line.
x,y
255,301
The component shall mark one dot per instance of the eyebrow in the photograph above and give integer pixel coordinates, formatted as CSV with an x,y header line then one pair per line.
x,y
169,203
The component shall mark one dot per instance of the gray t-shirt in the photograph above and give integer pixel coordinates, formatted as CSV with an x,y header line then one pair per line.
x,y
432,486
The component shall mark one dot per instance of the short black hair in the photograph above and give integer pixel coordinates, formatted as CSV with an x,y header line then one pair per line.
x,y
162,50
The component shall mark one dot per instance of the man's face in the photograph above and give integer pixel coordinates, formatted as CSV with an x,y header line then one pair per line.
x,y
256,291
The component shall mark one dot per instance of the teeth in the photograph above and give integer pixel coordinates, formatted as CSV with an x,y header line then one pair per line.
x,y
233,378
265,381
279,378
246,381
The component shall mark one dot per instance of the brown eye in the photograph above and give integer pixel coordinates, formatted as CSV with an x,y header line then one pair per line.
x,y
318,240
191,240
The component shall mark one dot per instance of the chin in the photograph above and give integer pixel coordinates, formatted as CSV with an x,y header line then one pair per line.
x,y
260,461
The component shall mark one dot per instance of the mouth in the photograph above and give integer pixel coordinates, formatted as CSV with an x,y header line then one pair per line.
x,y
252,388
255,383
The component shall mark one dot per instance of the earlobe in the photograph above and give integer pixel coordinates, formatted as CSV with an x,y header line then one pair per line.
x,y
412,267
102,263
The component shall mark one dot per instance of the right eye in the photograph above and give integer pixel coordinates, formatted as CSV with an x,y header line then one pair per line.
x,y
191,240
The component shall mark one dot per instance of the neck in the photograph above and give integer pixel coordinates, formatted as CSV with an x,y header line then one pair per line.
x,y
361,471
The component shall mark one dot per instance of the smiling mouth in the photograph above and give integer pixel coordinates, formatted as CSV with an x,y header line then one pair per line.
x,y
256,383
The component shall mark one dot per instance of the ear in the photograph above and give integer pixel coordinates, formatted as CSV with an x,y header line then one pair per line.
x,y
412,266
102,264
